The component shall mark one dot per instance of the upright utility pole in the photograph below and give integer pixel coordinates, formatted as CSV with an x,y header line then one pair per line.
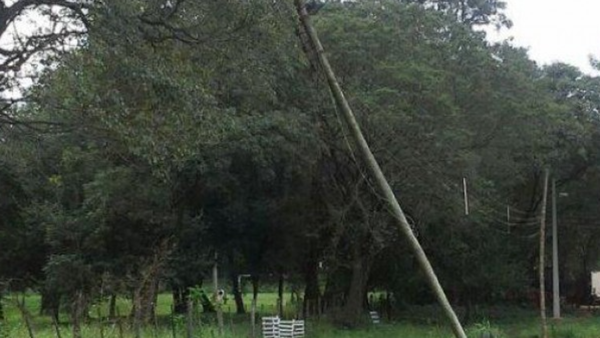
x,y
466,196
541,267
508,219
555,279
373,168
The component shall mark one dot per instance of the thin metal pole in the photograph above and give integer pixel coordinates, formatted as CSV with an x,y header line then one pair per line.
x,y
466,196
542,266
508,218
555,274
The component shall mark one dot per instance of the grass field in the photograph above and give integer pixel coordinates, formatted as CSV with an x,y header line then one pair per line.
x,y
423,322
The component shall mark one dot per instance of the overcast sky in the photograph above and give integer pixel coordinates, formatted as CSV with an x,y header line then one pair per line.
x,y
556,30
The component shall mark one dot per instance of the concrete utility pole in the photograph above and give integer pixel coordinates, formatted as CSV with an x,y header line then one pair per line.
x,y
555,279
309,35
541,267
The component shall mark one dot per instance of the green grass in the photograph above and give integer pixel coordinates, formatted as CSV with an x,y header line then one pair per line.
x,y
423,322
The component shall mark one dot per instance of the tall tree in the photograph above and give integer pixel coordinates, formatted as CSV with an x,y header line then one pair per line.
x,y
59,24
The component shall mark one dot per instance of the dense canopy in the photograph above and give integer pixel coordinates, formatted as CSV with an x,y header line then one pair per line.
x,y
156,133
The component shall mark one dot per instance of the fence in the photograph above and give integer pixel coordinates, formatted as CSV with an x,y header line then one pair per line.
x,y
273,327
375,317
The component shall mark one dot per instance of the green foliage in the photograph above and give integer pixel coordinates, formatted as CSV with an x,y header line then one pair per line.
x,y
485,329
179,130
472,12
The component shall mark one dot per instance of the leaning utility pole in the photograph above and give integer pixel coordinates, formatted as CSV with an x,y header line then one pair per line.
x,y
309,35
555,279
542,252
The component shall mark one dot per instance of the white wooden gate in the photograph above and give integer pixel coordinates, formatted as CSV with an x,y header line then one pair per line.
x,y
270,327
596,284
374,317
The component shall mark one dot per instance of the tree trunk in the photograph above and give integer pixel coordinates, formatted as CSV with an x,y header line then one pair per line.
x,y
77,310
112,306
237,294
189,321
50,303
253,317
150,301
353,310
468,312
312,293
336,289
388,305
180,297
254,304
217,299
144,301
582,293
280,295
255,285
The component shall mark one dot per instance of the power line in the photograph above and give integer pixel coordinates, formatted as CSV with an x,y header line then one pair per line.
x,y
481,214
453,186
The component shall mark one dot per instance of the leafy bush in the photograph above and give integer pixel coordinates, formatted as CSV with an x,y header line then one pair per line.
x,y
485,329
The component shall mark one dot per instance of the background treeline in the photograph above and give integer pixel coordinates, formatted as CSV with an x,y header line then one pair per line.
x,y
175,130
